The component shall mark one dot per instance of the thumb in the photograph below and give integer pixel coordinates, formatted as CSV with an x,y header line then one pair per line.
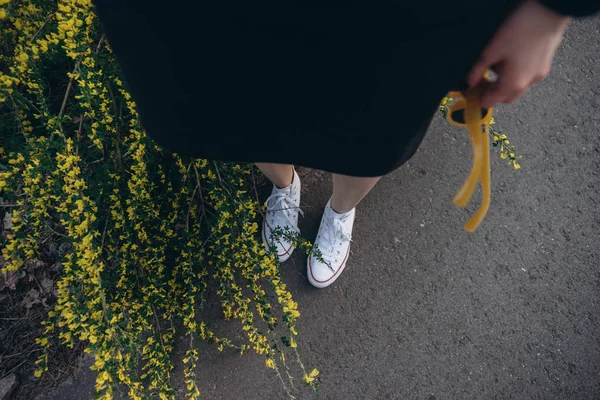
x,y
476,74
497,91
489,59
492,96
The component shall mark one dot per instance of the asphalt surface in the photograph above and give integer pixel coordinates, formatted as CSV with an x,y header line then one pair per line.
x,y
425,310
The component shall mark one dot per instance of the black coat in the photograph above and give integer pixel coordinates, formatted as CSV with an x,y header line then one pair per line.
x,y
344,86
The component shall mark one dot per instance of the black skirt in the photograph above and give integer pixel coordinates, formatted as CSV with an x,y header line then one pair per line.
x,y
336,86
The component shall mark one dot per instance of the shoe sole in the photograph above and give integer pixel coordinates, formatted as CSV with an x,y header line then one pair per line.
x,y
282,257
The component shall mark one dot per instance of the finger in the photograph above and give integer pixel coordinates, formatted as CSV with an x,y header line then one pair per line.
x,y
495,94
519,81
517,93
476,74
513,81
542,74
499,90
524,86
486,61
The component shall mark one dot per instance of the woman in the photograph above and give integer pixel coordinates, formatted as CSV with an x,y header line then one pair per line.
x,y
344,86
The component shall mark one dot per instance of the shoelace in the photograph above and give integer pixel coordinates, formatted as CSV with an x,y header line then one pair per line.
x,y
334,231
282,202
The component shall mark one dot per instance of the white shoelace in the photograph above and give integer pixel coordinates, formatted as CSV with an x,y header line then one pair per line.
x,y
281,201
334,231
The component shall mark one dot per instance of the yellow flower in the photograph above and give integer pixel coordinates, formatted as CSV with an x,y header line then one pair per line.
x,y
2,16
103,377
516,166
270,363
308,378
503,156
23,57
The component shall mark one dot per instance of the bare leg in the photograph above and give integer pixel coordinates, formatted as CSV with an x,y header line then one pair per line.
x,y
348,191
280,174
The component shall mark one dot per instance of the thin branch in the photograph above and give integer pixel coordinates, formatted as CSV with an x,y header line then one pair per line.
x,y
80,125
256,192
69,86
199,191
159,328
221,179
104,233
42,27
18,119
14,369
53,231
218,173
102,38
187,218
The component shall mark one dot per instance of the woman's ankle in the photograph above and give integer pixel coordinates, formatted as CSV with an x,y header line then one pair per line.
x,y
281,175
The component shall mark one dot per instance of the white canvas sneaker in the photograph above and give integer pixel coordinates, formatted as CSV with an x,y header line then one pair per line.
x,y
283,207
333,241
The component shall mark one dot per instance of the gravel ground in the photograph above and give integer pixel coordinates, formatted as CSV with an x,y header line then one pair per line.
x,y
427,311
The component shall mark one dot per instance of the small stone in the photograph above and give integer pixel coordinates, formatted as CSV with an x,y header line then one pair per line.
x,y
8,385
7,222
47,285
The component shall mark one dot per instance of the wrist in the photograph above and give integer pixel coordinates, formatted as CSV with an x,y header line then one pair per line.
x,y
555,17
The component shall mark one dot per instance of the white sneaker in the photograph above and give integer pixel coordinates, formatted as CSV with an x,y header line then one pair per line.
x,y
283,207
333,241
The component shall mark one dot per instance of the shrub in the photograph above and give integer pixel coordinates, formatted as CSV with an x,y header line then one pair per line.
x,y
138,235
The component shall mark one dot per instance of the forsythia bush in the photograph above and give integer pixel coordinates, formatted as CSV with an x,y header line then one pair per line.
x,y
141,233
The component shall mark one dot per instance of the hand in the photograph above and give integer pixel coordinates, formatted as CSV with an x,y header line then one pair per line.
x,y
520,53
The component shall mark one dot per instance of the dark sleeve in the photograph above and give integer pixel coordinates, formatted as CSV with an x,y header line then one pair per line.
x,y
574,8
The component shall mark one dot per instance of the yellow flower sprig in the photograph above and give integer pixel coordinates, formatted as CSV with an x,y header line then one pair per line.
x,y
499,139
507,151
